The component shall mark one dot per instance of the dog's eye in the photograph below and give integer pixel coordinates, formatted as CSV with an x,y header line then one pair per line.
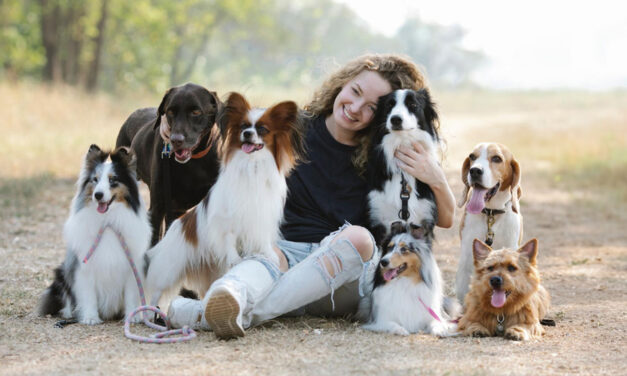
x,y
170,113
404,250
472,157
113,181
196,113
94,179
490,268
497,159
244,126
261,130
511,268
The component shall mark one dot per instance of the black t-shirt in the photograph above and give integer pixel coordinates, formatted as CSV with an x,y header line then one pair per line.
x,y
324,192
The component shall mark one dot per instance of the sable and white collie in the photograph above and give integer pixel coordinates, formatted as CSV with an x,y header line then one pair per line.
x,y
402,117
241,214
407,296
102,287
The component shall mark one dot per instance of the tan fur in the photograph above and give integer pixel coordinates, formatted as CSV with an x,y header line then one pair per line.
x,y
413,265
527,303
188,222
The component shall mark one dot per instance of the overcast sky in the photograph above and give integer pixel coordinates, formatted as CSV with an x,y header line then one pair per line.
x,y
529,44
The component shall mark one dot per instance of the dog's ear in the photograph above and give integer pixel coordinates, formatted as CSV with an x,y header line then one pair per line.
x,y
480,251
515,188
530,251
431,115
161,108
126,155
234,109
465,167
397,227
93,148
217,104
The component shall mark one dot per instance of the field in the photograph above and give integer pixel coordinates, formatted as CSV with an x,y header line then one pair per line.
x,y
572,147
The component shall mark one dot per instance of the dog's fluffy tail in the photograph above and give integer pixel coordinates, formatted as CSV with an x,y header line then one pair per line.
x,y
451,308
52,300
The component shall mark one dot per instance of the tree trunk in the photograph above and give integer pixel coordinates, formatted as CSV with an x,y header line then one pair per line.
x,y
50,14
98,41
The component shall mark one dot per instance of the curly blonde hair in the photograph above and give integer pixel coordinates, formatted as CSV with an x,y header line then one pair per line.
x,y
399,71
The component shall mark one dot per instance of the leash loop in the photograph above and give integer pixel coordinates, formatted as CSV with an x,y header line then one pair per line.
x,y
165,331
405,191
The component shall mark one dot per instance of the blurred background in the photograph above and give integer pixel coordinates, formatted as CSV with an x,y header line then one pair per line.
x,y
546,78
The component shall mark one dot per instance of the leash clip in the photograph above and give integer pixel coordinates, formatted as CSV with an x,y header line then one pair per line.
x,y
166,151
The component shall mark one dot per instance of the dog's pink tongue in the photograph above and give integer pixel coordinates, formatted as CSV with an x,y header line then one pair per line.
x,y
248,148
476,203
102,207
390,274
498,298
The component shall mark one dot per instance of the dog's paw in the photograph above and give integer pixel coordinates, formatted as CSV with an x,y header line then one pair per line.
x,y
95,320
440,330
517,333
400,331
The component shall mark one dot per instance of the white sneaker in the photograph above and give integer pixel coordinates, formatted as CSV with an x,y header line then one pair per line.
x,y
224,314
184,311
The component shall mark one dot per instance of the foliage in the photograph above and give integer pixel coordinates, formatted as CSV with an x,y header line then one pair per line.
x,y
119,45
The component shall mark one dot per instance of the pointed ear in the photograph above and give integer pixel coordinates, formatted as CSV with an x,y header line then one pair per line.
x,y
234,109
530,250
127,156
161,109
93,148
397,227
464,198
514,188
480,251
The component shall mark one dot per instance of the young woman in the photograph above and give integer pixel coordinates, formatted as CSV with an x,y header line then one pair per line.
x,y
327,250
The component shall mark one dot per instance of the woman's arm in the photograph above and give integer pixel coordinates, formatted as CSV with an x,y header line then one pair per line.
x,y
421,165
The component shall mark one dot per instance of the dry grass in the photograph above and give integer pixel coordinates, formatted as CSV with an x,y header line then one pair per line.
x,y
572,150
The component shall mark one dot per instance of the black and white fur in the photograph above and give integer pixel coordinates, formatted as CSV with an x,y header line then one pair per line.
x,y
402,117
104,287
394,305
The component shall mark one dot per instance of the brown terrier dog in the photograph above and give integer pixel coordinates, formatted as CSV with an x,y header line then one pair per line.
x,y
505,298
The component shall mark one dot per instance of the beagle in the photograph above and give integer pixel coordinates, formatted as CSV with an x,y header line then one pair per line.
x,y
491,175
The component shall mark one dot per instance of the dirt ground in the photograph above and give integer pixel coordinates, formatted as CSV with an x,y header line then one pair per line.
x,y
583,260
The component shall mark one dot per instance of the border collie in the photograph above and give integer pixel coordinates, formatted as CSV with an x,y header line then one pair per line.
x,y
240,215
407,296
102,287
402,117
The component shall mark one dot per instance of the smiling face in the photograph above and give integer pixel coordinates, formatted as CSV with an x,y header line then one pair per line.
x,y
355,105
490,168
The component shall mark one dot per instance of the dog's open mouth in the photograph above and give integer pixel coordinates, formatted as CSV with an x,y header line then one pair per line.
x,y
103,206
390,274
480,196
499,297
183,155
248,147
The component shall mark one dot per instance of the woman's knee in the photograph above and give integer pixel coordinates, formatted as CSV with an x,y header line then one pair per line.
x,y
361,239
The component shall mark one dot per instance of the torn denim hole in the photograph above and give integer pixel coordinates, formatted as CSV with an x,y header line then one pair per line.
x,y
331,258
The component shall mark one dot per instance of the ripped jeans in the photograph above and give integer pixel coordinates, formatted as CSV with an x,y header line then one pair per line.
x,y
308,287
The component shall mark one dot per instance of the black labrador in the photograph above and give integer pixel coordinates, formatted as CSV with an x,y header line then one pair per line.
x,y
177,151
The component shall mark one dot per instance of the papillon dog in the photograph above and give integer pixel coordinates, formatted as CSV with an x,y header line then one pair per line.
x,y
241,214
402,117
95,281
407,296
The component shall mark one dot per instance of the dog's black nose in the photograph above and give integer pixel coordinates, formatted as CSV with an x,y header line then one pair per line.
x,y
476,172
397,122
496,281
177,139
248,134
98,195
384,262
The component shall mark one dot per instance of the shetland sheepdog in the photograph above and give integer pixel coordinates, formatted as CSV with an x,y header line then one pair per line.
x,y
102,287
402,117
241,214
407,296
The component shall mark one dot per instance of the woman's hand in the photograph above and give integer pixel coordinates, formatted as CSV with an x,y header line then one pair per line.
x,y
423,166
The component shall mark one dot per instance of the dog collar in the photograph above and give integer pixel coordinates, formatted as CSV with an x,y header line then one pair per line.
x,y
490,213
202,153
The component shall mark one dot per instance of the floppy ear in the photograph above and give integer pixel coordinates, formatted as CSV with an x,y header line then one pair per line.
x,y
514,188
480,251
431,115
397,227
161,109
465,168
215,101
530,250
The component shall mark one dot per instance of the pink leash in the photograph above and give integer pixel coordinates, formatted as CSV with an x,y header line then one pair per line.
x,y
431,312
165,331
